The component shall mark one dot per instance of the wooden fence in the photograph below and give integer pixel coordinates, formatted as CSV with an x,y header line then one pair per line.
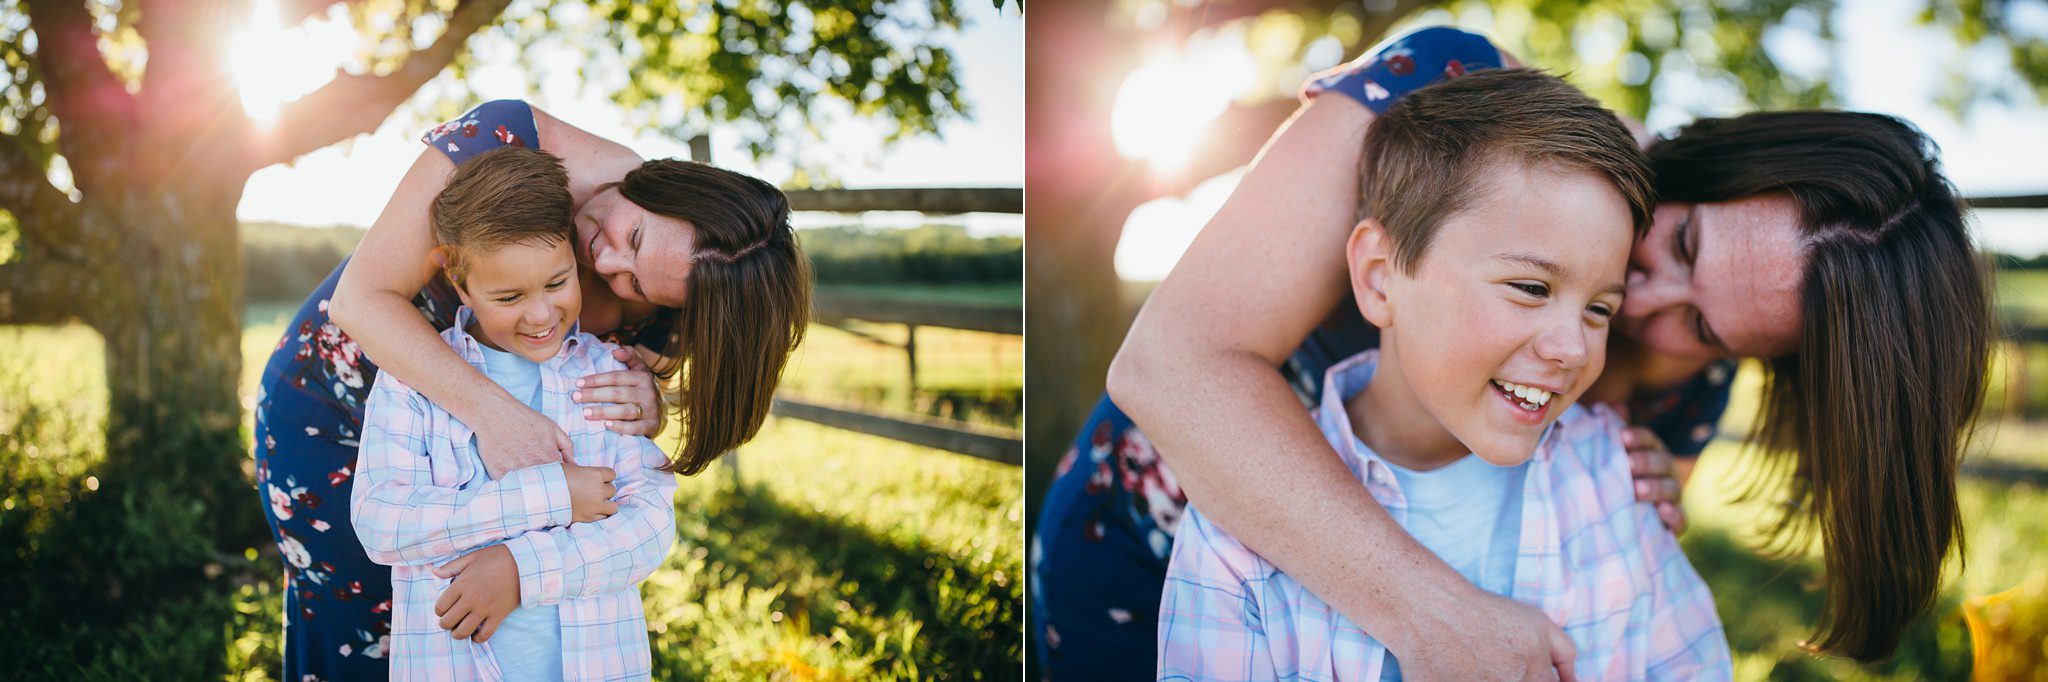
x,y
836,310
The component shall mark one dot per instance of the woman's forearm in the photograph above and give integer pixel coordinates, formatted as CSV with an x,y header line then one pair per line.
x,y
373,302
393,335
1247,454
1198,373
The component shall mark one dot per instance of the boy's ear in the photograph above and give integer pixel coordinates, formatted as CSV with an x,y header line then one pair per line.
x,y
1369,256
443,261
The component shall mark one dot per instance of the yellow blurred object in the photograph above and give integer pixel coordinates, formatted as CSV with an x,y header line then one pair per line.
x,y
2009,633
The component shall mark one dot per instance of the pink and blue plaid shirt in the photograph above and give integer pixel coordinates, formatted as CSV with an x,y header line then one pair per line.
x,y
1591,557
420,501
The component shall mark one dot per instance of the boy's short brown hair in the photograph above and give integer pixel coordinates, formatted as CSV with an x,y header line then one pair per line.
x,y
1422,159
509,195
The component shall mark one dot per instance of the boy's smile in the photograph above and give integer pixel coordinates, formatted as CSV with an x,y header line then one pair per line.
x,y
524,297
1501,324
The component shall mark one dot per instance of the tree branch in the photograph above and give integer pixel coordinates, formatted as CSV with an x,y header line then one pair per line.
x,y
44,214
89,101
354,103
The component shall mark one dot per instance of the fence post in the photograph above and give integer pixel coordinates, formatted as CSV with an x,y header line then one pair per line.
x,y
700,149
910,351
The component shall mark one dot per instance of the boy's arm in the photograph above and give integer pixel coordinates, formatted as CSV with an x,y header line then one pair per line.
x,y
1686,639
404,519
611,554
1210,625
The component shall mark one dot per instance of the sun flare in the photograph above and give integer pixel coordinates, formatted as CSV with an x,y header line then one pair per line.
x,y
1163,107
273,65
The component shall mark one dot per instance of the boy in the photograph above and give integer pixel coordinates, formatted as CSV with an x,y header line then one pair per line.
x,y
1496,223
552,545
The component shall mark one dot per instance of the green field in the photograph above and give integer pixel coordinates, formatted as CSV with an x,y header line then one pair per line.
x,y
822,554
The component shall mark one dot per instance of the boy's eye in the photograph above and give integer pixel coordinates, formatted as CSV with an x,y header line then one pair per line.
x,y
509,299
1531,288
557,284
1601,309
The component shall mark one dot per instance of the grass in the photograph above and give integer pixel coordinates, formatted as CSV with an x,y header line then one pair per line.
x,y
823,555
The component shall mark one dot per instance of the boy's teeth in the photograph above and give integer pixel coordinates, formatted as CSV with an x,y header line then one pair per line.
x,y
1529,394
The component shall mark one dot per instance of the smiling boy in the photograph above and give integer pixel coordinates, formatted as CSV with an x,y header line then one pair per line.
x,y
530,574
1498,210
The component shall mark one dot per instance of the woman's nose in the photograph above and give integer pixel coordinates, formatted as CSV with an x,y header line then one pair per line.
x,y
607,260
1648,294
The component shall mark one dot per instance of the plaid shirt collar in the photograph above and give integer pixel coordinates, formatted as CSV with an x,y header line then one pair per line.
x,y
472,350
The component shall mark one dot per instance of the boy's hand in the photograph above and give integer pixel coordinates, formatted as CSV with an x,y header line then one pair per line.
x,y
485,591
1656,476
590,492
627,401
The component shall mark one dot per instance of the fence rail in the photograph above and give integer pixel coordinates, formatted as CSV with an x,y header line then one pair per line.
x,y
921,199
2015,201
989,444
836,309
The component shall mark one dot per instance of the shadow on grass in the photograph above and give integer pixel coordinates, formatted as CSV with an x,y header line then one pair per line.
x,y
118,584
911,609
1768,607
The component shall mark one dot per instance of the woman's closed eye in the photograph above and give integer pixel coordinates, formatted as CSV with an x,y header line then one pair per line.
x,y
508,299
558,284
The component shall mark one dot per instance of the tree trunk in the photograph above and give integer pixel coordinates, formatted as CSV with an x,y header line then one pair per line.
x,y
170,311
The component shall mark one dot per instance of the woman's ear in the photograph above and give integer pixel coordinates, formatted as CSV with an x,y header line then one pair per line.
x,y
1369,255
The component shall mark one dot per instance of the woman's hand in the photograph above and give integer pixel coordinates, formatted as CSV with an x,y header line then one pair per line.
x,y
1488,637
1656,475
627,400
518,437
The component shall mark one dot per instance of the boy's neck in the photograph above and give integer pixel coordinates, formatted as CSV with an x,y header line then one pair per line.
x,y
1389,417
476,332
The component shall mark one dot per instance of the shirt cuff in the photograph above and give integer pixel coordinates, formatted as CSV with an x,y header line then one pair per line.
x,y
543,495
540,568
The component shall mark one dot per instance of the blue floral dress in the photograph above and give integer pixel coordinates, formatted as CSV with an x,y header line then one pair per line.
x,y
309,414
1097,560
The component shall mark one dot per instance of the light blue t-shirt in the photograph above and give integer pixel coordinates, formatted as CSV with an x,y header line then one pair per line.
x,y
1469,513
528,645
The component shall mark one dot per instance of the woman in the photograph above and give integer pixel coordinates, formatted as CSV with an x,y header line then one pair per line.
x,y
1825,243
695,268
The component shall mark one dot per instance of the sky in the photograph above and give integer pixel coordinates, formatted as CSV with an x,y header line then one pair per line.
x,y
347,184
1890,65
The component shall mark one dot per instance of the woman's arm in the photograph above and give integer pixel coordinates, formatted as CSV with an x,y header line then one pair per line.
x,y
1197,372
403,519
373,304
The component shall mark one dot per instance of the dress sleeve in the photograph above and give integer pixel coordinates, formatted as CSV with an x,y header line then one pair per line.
x,y
493,124
1687,417
1405,64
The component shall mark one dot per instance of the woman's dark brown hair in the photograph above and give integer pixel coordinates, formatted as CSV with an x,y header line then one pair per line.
x,y
749,301
1872,411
